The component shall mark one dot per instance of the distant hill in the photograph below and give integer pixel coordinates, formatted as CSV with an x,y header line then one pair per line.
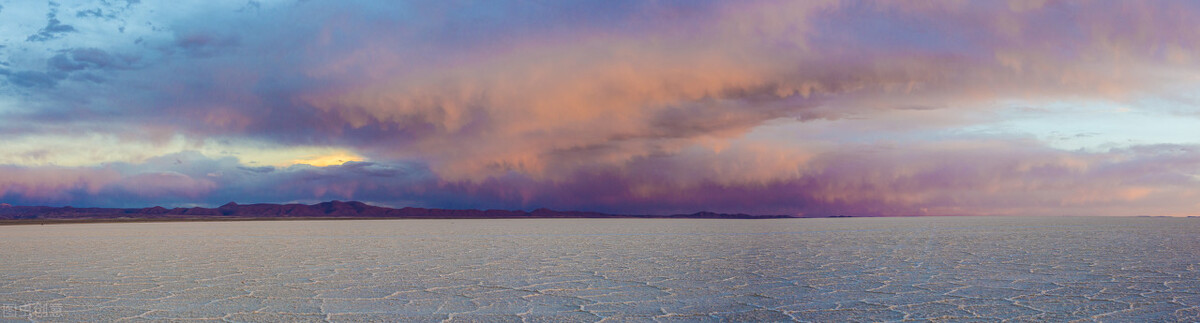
x,y
332,209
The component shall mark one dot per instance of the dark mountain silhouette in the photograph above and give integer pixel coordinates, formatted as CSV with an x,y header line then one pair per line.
x,y
332,209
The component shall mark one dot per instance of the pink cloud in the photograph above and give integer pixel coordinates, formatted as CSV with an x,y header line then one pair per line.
x,y
53,183
544,107
652,108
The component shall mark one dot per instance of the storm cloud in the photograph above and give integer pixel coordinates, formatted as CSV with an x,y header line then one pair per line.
x,y
815,107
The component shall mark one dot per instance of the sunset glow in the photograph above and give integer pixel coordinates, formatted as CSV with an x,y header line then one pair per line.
x,y
650,107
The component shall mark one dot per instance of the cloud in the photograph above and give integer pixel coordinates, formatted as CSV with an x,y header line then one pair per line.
x,y
88,58
531,105
955,178
624,106
204,45
190,178
52,184
34,79
53,29
165,184
946,178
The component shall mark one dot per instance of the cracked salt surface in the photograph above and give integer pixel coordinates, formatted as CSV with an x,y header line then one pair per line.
x,y
586,270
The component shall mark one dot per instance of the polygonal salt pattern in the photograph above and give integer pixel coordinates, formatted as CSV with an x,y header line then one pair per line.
x,y
962,269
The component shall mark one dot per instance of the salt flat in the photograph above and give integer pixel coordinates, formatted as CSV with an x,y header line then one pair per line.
x,y
846,269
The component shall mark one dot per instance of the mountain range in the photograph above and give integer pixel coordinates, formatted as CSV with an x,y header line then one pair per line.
x,y
332,209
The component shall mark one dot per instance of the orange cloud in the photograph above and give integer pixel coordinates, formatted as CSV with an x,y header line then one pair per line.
x,y
545,107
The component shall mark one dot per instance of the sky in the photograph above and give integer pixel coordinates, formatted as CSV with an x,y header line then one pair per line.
x,y
814,108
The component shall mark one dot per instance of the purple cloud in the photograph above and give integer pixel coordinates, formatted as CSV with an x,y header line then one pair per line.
x,y
612,106
997,178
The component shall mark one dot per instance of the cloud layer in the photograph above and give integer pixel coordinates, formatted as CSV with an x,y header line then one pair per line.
x,y
816,107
